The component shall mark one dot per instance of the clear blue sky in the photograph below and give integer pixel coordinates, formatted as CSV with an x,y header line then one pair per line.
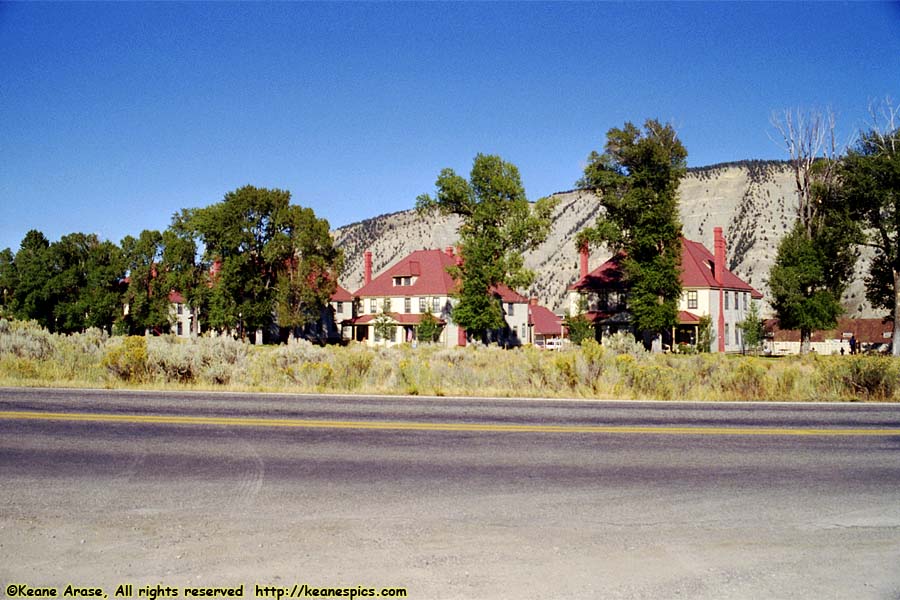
x,y
115,116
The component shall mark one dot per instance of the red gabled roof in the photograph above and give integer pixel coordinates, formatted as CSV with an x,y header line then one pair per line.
x,y
341,295
429,270
544,321
429,267
696,272
507,294
175,297
606,276
687,318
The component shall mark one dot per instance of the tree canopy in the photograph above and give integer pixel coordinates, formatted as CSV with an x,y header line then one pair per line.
x,y
498,225
871,179
636,183
267,256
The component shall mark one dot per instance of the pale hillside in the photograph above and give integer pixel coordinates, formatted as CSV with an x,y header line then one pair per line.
x,y
754,202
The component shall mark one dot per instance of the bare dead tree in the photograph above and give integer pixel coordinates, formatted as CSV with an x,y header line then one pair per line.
x,y
808,136
884,121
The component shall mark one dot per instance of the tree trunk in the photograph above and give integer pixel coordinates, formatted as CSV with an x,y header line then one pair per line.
x,y
805,335
896,345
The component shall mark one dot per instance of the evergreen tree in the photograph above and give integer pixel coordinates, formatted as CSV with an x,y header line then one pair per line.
x,y
753,328
636,183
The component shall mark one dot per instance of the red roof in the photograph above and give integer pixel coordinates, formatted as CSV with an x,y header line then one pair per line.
x,y
341,295
428,270
606,276
544,321
401,318
427,267
687,318
867,331
508,294
176,297
696,272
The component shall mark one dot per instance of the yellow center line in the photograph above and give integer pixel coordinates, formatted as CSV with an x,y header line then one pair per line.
x,y
432,426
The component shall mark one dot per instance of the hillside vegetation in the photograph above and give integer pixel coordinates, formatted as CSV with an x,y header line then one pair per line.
x,y
753,201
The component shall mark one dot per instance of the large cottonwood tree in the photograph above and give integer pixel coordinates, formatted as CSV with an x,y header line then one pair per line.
x,y
498,225
265,256
635,180
871,179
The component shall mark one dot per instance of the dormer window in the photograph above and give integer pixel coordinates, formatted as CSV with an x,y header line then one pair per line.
x,y
402,281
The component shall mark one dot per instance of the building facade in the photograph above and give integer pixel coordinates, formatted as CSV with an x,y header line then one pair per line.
x,y
708,289
389,307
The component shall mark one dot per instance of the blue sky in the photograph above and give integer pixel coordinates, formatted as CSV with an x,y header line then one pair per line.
x,y
115,116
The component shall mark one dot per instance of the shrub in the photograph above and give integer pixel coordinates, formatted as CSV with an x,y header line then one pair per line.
x,y
624,343
127,358
862,377
25,339
747,381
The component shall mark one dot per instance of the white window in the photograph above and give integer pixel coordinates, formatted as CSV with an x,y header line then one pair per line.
x,y
339,309
373,306
423,305
387,305
436,304
510,310
407,305
726,300
692,299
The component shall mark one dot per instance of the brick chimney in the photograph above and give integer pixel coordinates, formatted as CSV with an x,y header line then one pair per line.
x,y
583,255
720,255
367,261
720,278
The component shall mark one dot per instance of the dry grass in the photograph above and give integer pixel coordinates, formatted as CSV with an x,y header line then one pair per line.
x,y
30,356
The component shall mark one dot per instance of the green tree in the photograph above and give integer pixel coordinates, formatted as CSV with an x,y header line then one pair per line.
x,y
7,282
498,226
267,255
147,295
429,329
85,288
385,327
309,276
578,325
871,179
636,181
31,296
799,281
753,328
704,334
816,258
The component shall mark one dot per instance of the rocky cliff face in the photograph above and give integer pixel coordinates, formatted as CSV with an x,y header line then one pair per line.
x,y
753,201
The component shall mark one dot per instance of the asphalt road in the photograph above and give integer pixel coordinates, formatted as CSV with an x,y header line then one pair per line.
x,y
450,498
